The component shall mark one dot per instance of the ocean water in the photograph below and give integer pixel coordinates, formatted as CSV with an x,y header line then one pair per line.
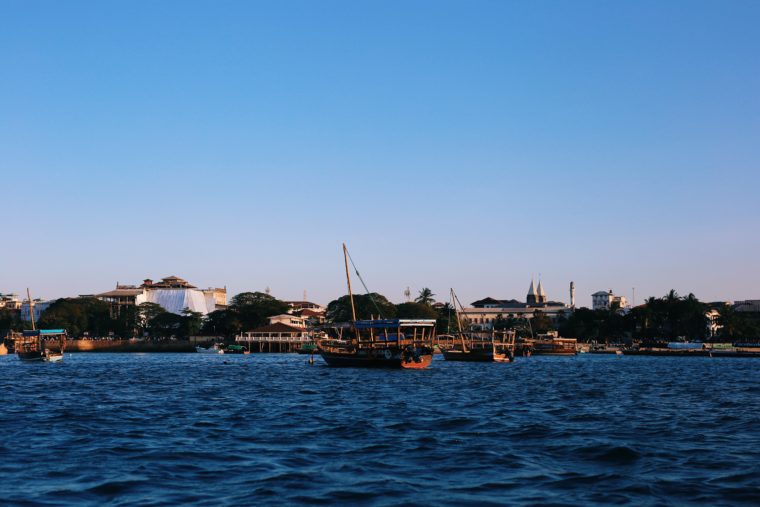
x,y
193,429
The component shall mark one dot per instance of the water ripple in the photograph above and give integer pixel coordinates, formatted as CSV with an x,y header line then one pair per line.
x,y
128,430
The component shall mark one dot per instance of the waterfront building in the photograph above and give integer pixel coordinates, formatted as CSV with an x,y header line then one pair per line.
x,y
276,337
173,293
713,318
485,312
747,306
289,319
604,300
10,301
312,313
304,305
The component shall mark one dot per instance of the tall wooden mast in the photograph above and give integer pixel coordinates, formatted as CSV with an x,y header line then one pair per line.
x,y
348,281
455,301
31,308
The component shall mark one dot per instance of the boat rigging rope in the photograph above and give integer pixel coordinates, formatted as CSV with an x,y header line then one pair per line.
x,y
379,312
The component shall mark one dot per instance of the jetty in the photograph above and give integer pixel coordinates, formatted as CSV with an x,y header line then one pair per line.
x,y
275,338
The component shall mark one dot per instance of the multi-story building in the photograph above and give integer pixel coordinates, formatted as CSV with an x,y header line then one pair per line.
x,y
10,301
287,318
604,300
173,293
748,305
485,312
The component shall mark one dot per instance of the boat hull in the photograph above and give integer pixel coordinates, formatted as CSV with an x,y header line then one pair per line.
x,y
668,352
476,356
30,356
363,359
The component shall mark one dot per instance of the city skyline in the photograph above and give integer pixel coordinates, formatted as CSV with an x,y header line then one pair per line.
x,y
613,145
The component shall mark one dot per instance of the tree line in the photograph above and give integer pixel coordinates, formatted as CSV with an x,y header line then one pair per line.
x,y
667,318
88,316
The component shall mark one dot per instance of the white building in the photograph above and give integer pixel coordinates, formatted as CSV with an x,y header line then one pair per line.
x,y
605,300
289,319
485,312
173,293
10,301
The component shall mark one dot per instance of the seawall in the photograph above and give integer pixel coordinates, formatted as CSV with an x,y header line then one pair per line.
x,y
129,346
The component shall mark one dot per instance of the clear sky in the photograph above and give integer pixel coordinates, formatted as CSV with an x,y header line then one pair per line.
x,y
450,144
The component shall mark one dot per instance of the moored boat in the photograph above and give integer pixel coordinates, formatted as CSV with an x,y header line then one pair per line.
x,y
232,349
41,345
476,346
213,349
550,344
377,343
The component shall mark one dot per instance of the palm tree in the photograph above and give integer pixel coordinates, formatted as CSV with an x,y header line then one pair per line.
x,y
425,297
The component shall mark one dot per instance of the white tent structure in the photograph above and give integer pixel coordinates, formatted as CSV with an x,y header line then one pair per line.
x,y
176,300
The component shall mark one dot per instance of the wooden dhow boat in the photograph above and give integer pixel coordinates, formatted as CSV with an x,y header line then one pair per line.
x,y
476,346
380,343
496,346
39,344
377,343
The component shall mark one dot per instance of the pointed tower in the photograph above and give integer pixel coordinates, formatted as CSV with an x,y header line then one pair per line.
x,y
541,294
572,294
532,294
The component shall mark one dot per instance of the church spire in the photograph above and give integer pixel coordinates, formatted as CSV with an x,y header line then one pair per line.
x,y
532,294
541,294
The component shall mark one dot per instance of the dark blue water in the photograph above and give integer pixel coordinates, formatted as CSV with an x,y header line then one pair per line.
x,y
270,429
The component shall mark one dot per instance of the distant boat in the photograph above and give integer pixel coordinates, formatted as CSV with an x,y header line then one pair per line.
x,y
550,345
214,349
232,349
41,345
473,346
377,343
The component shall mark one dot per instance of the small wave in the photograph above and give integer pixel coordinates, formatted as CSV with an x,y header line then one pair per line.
x,y
620,454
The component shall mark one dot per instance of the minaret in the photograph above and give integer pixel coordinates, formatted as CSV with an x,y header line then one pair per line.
x,y
572,294
532,294
541,293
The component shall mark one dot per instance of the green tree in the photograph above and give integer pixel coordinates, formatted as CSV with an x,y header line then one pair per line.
x,y
146,312
446,321
77,316
125,324
425,297
191,323
10,320
541,322
252,309
222,323
166,325
367,306
415,311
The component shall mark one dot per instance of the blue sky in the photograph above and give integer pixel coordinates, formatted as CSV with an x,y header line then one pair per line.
x,y
450,144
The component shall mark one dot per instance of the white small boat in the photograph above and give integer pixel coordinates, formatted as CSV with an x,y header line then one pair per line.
x,y
214,349
52,357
